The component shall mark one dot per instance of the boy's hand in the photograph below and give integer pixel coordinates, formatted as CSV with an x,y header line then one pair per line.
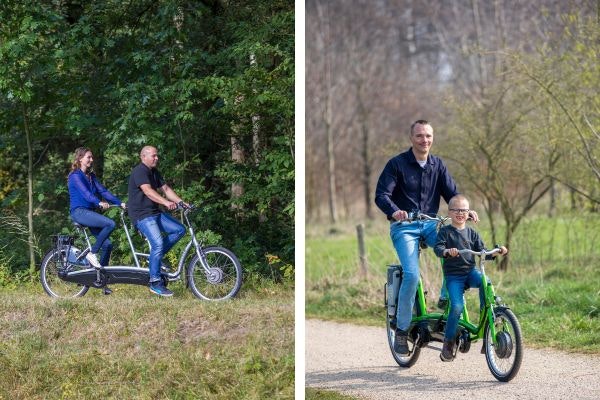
x,y
453,252
503,250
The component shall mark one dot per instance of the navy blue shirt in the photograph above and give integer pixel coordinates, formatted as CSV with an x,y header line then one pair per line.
x,y
140,206
405,185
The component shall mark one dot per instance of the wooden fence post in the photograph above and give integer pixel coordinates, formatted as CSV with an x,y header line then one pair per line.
x,y
360,231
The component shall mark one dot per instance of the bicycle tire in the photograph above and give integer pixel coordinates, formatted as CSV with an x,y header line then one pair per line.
x,y
413,350
53,285
504,359
224,280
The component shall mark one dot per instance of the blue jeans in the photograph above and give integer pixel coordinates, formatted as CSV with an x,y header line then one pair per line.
x,y
153,227
405,237
457,284
101,227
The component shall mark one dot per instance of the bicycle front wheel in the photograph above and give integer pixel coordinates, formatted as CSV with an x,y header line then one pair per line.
x,y
504,357
223,278
52,265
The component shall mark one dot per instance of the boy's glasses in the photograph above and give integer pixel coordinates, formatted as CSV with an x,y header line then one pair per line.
x,y
460,210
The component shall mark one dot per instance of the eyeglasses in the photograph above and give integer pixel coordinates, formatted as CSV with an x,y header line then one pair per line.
x,y
460,210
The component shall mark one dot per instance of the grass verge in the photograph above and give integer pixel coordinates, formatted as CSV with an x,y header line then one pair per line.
x,y
132,345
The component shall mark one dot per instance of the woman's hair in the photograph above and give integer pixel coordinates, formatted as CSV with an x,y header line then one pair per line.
x,y
77,156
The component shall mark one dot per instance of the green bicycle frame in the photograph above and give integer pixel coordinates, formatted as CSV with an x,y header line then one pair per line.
x,y
486,314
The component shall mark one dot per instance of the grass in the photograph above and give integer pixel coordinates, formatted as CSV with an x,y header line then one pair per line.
x,y
314,394
553,284
132,345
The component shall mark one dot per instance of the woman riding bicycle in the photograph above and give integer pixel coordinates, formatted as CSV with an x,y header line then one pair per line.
x,y
87,194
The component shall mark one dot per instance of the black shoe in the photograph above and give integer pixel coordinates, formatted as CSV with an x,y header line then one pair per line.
x,y
483,348
442,303
107,290
401,344
447,353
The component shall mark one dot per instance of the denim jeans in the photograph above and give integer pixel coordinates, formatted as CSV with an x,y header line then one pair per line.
x,y
405,237
457,284
153,227
101,227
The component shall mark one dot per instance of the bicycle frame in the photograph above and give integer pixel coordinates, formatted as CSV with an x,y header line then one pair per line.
x,y
486,316
211,272
171,276
497,325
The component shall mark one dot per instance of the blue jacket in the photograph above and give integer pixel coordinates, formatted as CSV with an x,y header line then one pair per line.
x,y
87,193
404,185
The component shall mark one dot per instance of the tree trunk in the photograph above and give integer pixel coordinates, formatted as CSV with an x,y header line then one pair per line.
x,y
31,237
333,213
237,156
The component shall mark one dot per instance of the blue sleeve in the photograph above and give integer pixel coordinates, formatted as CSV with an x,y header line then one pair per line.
x,y
385,187
105,193
79,184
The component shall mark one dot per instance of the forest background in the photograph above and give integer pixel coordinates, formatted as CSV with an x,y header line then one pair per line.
x,y
209,83
510,89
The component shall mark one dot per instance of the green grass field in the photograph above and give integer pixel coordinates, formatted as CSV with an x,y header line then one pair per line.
x,y
552,285
133,345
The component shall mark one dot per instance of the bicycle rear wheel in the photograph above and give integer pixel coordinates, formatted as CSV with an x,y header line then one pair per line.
x,y
504,358
51,266
405,361
223,278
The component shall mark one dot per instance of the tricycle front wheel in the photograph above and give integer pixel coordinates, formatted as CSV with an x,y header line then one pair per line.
x,y
504,358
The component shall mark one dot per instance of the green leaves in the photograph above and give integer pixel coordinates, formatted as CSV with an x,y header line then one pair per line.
x,y
116,76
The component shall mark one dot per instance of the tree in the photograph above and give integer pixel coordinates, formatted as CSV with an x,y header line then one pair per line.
x,y
28,66
564,81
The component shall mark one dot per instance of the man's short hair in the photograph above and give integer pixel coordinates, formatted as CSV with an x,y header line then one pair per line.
x,y
418,122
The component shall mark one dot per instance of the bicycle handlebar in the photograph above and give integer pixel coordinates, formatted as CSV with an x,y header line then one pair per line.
x,y
481,253
419,216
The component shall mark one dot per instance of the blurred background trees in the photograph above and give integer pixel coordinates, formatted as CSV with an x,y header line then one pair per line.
x,y
201,80
510,89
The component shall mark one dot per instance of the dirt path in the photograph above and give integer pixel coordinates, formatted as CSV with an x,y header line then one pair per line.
x,y
356,360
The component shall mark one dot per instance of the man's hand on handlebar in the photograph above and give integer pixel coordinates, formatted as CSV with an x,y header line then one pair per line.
x,y
400,215
171,205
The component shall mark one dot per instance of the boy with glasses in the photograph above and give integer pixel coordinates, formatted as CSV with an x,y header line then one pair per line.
x,y
459,269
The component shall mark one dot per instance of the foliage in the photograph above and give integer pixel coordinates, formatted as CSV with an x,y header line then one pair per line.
x,y
561,78
185,76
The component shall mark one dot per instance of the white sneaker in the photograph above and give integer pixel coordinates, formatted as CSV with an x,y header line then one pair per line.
x,y
91,257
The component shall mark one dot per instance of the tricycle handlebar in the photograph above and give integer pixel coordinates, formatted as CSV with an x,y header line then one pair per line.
x,y
419,216
481,253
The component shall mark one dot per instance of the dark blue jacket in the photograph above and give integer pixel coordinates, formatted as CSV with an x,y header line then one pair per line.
x,y
87,193
405,185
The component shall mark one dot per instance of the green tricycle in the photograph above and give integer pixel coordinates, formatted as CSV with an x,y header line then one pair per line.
x,y
497,324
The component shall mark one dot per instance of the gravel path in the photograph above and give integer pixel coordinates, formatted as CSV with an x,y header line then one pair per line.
x,y
356,360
